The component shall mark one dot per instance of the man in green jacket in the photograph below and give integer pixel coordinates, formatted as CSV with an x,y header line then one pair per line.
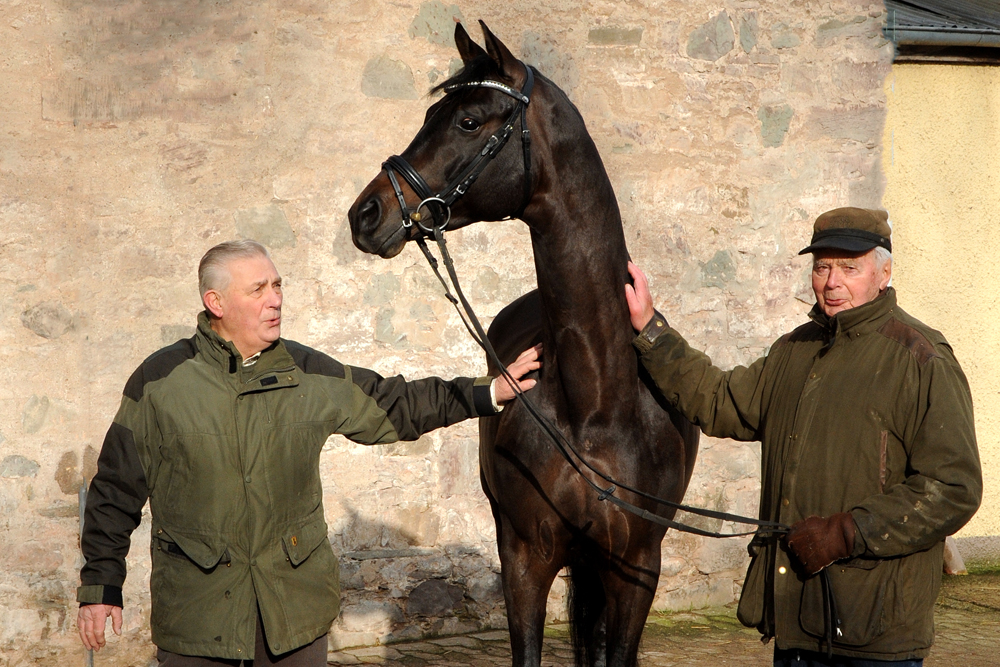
x,y
868,452
222,434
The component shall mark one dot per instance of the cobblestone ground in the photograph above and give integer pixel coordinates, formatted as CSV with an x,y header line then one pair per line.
x,y
968,635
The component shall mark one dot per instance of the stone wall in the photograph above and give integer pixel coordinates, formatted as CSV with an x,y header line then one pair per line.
x,y
136,134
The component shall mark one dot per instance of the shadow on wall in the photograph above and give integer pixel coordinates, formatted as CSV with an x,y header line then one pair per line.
x,y
394,594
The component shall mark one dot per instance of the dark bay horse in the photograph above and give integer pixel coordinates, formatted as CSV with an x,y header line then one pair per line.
x,y
590,386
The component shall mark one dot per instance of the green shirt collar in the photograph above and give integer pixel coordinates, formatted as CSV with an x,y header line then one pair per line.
x,y
227,357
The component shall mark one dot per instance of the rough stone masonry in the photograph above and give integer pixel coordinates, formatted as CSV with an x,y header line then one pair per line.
x,y
137,134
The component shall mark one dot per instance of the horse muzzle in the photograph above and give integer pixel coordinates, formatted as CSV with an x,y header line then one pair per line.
x,y
370,230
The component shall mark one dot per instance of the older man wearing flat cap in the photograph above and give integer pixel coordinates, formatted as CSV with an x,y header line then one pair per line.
x,y
868,452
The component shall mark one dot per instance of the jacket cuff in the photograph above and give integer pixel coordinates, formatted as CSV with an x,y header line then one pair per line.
x,y
109,595
483,397
860,545
647,337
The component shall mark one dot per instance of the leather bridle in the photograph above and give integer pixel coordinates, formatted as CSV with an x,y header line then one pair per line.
x,y
439,204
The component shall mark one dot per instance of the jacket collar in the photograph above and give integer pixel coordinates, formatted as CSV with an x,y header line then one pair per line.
x,y
864,318
223,353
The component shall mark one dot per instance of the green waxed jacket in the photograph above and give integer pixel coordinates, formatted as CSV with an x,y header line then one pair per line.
x,y
867,412
228,456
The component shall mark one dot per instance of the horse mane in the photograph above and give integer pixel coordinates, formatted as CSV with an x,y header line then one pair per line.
x,y
479,69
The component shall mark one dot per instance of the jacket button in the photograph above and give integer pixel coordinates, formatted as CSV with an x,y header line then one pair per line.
x,y
247,479
159,532
228,595
785,502
254,562
782,570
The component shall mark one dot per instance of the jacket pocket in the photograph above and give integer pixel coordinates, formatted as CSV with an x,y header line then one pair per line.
x,y
204,551
750,611
306,578
191,588
864,593
302,541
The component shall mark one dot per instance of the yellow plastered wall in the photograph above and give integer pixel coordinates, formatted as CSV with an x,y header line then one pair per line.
x,y
942,164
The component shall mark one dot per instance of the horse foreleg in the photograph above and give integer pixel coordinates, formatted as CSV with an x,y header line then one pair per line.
x,y
527,577
630,585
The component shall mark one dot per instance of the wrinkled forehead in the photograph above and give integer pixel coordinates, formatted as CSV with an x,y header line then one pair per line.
x,y
251,270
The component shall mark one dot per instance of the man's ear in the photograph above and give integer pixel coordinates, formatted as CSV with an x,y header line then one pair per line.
x,y
886,276
213,302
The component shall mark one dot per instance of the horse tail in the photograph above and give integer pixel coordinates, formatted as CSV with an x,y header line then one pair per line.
x,y
587,603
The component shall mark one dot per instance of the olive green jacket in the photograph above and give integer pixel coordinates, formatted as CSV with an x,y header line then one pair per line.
x,y
867,412
228,456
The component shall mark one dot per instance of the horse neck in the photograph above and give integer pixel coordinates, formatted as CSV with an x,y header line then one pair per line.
x,y
580,262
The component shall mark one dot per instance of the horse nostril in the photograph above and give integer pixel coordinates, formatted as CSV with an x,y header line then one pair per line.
x,y
368,217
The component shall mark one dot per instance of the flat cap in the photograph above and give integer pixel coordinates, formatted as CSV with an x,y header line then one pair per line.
x,y
851,229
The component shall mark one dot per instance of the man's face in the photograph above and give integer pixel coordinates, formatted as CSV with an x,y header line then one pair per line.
x,y
250,307
843,280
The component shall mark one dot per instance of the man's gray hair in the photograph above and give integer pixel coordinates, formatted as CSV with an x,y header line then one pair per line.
x,y
213,270
881,256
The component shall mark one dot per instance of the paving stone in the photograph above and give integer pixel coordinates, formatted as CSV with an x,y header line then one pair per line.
x,y
375,651
466,641
495,635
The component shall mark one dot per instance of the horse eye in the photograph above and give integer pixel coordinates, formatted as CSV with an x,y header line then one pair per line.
x,y
469,124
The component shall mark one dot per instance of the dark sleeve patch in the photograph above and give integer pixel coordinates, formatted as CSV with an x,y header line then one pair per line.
x,y
158,366
419,406
114,509
914,341
314,362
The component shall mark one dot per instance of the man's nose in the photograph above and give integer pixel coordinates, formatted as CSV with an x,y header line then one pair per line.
x,y
833,279
274,301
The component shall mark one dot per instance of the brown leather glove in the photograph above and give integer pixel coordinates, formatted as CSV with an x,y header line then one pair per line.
x,y
816,542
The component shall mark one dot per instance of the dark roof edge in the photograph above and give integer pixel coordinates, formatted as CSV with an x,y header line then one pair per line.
x,y
934,37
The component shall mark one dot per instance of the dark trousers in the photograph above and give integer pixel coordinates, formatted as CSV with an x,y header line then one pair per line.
x,y
310,655
796,658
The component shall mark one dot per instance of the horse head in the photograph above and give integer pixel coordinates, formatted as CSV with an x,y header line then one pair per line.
x,y
431,183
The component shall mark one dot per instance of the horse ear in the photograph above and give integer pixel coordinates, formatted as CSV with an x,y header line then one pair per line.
x,y
500,54
468,49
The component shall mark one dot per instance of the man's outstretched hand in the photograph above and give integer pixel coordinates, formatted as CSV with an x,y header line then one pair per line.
x,y
640,301
527,361
90,621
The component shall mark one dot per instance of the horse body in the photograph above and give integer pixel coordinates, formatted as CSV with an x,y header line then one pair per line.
x,y
590,386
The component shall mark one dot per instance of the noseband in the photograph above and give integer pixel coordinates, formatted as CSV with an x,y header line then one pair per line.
x,y
440,204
